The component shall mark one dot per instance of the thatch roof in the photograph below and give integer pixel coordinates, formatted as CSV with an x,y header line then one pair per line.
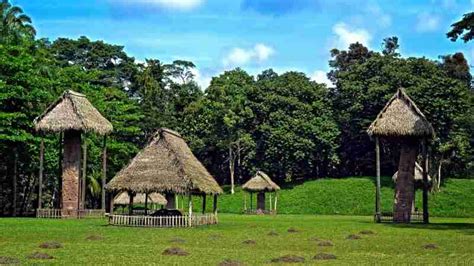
x,y
418,174
72,111
401,118
166,164
260,182
124,199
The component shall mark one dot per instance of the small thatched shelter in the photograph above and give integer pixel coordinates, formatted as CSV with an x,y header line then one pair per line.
x,y
402,121
260,184
71,115
166,165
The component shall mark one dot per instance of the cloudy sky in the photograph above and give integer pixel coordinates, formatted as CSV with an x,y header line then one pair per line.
x,y
253,34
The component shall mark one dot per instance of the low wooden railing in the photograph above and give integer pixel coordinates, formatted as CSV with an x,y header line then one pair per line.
x,y
388,217
259,211
163,221
60,213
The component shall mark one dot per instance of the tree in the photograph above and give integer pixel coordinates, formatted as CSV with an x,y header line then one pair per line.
x,y
463,28
456,66
14,24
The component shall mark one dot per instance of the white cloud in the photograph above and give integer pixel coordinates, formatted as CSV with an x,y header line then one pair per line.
x,y
345,36
201,79
321,77
427,22
376,13
183,5
240,56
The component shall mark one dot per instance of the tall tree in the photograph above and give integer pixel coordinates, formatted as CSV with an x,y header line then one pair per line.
x,y
463,28
14,24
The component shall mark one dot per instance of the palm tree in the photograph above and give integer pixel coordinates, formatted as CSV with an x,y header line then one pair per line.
x,y
14,24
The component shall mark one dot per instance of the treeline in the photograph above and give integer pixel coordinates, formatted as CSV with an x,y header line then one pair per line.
x,y
286,125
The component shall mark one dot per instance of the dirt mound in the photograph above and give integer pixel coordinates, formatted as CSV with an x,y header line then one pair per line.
x,y
288,259
175,252
249,242
353,237
324,256
177,240
430,246
8,260
51,245
325,243
292,230
273,233
367,232
95,237
228,262
40,256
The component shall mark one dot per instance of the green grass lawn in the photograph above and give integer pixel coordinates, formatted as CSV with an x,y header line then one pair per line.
x,y
391,244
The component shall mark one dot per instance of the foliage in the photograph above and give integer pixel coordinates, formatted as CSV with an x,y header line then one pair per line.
x,y
463,28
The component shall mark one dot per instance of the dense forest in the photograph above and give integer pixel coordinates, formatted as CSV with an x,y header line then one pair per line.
x,y
285,124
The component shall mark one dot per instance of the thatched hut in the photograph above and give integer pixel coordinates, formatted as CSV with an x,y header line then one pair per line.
x,y
402,121
260,184
72,115
166,165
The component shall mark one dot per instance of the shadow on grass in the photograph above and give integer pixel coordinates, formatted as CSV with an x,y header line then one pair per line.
x,y
466,228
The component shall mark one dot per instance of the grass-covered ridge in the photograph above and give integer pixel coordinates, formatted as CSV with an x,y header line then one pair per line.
x,y
355,196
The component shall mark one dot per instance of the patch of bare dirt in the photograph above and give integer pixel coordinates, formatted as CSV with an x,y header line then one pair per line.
x,y
430,246
325,243
353,237
292,230
288,259
367,232
40,256
249,242
8,260
324,256
95,237
51,245
175,252
228,262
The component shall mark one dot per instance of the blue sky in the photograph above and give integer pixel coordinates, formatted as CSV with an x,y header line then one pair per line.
x,y
253,34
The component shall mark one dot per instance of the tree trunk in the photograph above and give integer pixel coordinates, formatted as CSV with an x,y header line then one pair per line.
x,y
231,169
104,172
438,185
15,181
404,189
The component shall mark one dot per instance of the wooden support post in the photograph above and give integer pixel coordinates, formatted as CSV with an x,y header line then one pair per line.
x,y
276,199
40,175
204,204
130,204
15,177
190,209
58,189
245,201
111,203
146,203
214,207
251,195
270,200
425,182
84,174
104,170
378,214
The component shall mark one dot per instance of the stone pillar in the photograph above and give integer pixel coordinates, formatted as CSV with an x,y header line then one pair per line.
x,y
404,188
261,201
171,201
70,172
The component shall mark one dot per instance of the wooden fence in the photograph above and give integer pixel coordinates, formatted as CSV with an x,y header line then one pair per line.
x,y
387,217
163,221
60,213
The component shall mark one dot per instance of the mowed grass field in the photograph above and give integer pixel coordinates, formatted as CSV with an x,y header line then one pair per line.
x,y
452,239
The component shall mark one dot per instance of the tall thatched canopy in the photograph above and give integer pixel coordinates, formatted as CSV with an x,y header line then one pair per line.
x,y
401,118
154,198
418,174
72,111
165,165
261,182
